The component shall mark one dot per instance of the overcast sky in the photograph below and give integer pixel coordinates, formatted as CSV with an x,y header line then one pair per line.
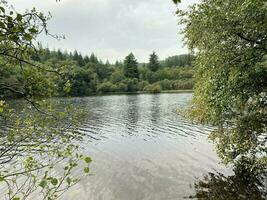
x,y
112,28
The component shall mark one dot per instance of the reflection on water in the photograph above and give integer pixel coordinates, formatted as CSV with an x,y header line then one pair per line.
x,y
132,114
142,149
236,187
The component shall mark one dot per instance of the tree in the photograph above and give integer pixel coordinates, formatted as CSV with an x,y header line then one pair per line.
x,y
93,59
86,60
179,60
130,67
117,75
60,55
79,58
118,63
38,140
153,64
230,41
216,186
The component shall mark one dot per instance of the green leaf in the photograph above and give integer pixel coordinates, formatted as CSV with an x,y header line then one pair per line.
x,y
2,25
86,170
87,159
69,180
176,1
33,30
43,183
2,178
27,37
19,17
16,198
2,9
54,181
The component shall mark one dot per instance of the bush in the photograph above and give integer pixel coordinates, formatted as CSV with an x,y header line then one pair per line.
x,y
141,85
121,87
131,84
153,88
183,85
166,84
106,87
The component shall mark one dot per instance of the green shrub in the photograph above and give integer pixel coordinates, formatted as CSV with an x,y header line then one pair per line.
x,y
183,85
131,84
153,88
141,85
106,87
121,87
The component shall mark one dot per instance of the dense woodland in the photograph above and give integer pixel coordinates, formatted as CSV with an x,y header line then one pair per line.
x,y
87,75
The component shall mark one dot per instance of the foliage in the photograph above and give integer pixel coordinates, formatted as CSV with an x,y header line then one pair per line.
x,y
40,136
141,85
154,88
235,187
130,67
230,39
106,87
37,144
117,75
153,64
179,60
66,77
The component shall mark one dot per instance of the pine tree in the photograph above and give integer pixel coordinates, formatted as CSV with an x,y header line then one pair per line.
x,y
80,60
153,64
60,55
75,55
86,59
93,58
117,64
130,67
107,63
47,54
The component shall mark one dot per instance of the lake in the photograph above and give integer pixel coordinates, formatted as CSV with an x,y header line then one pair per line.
x,y
142,149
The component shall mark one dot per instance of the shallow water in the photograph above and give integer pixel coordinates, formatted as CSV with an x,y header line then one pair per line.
x,y
142,149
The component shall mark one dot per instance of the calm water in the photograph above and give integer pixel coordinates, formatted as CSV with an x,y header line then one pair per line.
x,y
142,149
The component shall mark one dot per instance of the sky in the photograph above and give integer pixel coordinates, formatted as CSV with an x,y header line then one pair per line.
x,y
112,28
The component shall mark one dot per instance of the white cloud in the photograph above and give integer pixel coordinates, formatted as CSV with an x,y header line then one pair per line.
x,y
112,28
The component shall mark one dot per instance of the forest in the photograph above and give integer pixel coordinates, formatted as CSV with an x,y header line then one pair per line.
x,y
88,75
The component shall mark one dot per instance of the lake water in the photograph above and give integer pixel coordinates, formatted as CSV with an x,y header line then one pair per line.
x,y
142,149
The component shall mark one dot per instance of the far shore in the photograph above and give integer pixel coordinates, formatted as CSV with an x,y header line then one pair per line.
x,y
143,92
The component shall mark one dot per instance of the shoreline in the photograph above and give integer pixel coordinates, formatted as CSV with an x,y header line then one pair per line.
x,y
143,92
118,93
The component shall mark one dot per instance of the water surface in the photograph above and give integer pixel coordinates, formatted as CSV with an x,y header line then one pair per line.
x,y
142,149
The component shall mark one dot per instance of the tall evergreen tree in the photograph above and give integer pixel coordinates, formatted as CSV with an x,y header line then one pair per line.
x,y
70,55
86,59
117,63
75,55
107,63
154,64
60,55
80,60
47,53
93,58
130,67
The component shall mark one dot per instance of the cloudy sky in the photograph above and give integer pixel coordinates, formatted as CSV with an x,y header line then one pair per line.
x,y
112,28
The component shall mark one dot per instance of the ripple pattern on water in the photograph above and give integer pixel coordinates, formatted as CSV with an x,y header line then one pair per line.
x,y
142,149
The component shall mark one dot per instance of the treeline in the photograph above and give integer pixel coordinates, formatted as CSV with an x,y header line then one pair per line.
x,y
87,75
